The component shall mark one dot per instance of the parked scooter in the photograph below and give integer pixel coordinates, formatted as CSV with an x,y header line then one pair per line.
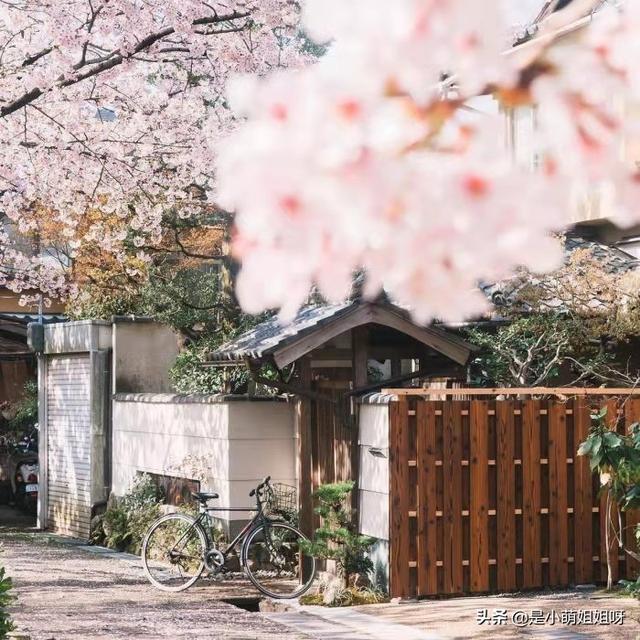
x,y
25,480
26,486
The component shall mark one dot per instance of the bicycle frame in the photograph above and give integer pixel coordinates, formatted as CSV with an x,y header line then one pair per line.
x,y
205,516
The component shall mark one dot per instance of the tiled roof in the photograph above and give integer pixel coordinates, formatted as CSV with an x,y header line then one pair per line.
x,y
271,334
614,259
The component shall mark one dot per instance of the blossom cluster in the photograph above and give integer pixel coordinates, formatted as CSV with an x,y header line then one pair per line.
x,y
117,105
374,158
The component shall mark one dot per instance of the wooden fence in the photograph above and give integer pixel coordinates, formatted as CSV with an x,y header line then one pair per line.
x,y
489,495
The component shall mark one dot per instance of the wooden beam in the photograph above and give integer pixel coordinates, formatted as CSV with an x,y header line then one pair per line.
x,y
331,364
291,388
360,341
512,391
378,385
331,353
377,351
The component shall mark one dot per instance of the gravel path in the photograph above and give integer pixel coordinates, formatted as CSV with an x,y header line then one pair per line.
x,y
67,593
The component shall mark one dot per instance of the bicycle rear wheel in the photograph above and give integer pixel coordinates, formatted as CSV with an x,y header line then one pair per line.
x,y
275,562
173,552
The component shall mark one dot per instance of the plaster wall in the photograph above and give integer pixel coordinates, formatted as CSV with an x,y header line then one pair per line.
x,y
231,444
143,353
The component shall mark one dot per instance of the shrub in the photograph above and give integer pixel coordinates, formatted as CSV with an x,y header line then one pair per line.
x,y
342,596
115,525
338,539
5,599
616,459
631,588
126,520
189,375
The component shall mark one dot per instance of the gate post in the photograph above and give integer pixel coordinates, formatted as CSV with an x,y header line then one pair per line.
x,y
303,429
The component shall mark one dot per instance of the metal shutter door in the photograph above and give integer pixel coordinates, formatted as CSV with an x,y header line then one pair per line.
x,y
69,444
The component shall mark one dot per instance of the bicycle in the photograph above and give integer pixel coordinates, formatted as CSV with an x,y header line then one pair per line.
x,y
178,547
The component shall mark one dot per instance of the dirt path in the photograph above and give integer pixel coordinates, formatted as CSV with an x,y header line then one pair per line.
x,y
67,593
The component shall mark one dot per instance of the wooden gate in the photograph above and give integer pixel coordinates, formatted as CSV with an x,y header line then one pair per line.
x,y
334,437
489,495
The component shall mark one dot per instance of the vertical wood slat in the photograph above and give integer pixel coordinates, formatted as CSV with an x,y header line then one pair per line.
x,y
583,500
452,516
427,520
632,518
609,520
448,526
479,499
506,496
558,521
399,492
321,437
335,440
532,561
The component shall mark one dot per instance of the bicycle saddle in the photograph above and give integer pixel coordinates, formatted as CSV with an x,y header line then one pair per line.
x,y
203,497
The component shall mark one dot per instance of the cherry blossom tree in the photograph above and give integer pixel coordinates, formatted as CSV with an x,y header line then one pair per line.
x,y
368,160
118,106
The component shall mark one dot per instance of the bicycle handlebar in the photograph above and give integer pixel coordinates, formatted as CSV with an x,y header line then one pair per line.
x,y
260,487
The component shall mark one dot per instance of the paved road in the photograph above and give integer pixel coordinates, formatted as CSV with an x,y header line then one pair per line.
x,y
68,593
546,615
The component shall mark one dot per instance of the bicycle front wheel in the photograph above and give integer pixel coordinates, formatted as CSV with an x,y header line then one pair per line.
x,y
173,552
275,562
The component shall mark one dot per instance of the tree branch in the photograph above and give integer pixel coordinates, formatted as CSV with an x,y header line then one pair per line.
x,y
36,56
113,60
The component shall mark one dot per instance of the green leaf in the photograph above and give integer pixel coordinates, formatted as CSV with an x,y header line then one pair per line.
x,y
612,439
594,463
585,448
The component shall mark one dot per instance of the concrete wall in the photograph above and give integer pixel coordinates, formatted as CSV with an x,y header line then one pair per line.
x,y
143,352
238,440
77,337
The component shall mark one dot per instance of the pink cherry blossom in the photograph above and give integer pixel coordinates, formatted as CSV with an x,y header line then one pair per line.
x,y
369,160
119,104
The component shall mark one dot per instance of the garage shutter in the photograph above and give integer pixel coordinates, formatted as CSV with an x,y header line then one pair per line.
x,y
69,444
